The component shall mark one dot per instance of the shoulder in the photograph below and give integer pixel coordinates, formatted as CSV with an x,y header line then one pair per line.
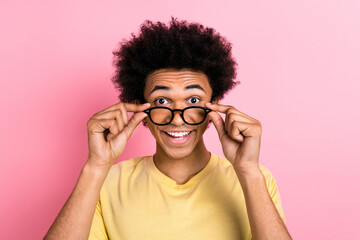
x,y
270,180
224,163
126,167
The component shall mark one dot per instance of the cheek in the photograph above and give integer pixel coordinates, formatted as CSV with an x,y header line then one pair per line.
x,y
153,128
202,128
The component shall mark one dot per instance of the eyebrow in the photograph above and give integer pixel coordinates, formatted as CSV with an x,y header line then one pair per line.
x,y
197,86
161,87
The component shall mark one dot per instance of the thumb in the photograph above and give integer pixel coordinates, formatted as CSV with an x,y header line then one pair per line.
x,y
218,123
133,123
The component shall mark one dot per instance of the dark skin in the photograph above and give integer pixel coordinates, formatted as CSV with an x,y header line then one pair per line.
x,y
240,136
178,161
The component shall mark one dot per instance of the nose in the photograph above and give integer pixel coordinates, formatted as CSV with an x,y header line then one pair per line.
x,y
177,120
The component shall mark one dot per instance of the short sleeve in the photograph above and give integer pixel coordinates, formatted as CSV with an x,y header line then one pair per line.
x,y
273,190
98,229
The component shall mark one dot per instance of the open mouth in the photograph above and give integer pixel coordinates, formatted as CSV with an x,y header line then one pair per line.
x,y
178,134
178,137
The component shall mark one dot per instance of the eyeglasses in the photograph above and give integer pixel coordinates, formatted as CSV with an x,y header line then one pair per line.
x,y
191,115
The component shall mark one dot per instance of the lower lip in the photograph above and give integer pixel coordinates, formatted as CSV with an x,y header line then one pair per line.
x,y
178,140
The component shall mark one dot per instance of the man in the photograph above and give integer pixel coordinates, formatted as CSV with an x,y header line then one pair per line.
x,y
172,79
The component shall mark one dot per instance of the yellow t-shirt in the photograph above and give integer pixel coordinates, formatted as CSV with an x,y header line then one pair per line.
x,y
138,202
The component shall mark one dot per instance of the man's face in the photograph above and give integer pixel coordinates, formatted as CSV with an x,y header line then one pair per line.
x,y
177,89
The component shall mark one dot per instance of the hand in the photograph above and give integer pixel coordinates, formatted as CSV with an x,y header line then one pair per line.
x,y
109,131
240,136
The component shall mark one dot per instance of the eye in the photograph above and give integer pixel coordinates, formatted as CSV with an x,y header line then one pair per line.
x,y
194,100
161,101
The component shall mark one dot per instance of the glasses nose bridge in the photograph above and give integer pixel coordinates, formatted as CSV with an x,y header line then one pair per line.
x,y
178,110
181,111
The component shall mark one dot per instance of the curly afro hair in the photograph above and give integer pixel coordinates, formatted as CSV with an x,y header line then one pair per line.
x,y
181,45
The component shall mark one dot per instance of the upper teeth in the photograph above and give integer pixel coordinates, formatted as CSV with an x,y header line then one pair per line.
x,y
178,134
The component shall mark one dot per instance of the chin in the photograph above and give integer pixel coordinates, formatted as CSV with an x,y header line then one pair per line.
x,y
177,153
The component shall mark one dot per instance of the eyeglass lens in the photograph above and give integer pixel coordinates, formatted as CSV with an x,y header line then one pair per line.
x,y
191,115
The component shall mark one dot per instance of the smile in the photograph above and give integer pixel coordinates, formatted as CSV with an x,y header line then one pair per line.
x,y
178,138
178,134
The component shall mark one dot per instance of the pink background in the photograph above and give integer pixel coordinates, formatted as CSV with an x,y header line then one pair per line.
x,y
299,72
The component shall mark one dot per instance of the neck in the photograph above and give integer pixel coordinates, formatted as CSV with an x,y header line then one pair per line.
x,y
182,169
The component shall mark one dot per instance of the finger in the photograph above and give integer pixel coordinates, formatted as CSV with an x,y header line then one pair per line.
x,y
117,115
129,107
106,127
235,131
114,130
245,130
234,117
217,107
109,109
119,120
133,123
228,121
124,115
218,123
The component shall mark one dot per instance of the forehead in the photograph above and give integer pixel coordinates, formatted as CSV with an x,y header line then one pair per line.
x,y
175,80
